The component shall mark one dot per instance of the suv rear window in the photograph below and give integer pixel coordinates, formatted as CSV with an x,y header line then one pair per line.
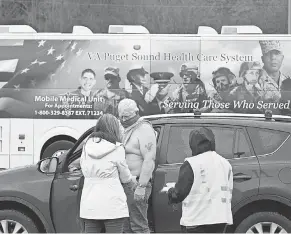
x,y
266,141
179,149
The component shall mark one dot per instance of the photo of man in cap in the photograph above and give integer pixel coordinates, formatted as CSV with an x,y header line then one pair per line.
x,y
112,94
248,86
136,76
272,78
159,92
191,90
224,83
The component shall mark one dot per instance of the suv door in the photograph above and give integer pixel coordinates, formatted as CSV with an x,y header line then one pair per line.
x,y
271,147
66,192
65,204
246,169
230,142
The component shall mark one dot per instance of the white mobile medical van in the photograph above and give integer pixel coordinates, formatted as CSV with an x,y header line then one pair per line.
x,y
55,86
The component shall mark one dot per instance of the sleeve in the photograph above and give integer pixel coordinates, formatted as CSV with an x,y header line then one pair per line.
x,y
175,94
183,186
123,170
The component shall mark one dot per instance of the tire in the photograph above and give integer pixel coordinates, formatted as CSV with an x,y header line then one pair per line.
x,y
259,217
19,217
55,146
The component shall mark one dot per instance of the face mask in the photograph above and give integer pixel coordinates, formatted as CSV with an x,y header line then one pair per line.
x,y
129,122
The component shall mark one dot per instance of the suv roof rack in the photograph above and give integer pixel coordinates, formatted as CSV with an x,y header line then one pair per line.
x,y
197,114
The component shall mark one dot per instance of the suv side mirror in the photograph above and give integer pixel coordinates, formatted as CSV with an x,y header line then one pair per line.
x,y
48,165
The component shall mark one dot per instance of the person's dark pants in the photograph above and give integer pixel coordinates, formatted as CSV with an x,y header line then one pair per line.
x,y
97,226
138,211
213,228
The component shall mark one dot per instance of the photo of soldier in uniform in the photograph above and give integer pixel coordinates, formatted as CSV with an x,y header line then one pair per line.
x,y
191,90
83,95
87,82
112,94
249,71
199,74
159,92
272,77
249,87
136,76
224,82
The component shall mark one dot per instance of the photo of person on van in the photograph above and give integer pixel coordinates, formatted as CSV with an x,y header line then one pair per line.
x,y
248,86
159,93
223,82
83,96
191,90
272,77
136,76
98,86
112,94
87,82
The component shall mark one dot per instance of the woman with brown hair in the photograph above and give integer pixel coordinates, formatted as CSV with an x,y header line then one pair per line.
x,y
103,201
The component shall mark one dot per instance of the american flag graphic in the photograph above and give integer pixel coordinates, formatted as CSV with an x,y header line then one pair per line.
x,y
34,67
36,63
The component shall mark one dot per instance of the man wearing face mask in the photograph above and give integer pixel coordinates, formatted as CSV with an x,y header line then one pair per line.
x,y
112,94
272,77
139,140
223,82
159,92
192,90
136,76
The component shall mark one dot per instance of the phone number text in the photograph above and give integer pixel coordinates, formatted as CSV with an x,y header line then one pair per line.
x,y
68,112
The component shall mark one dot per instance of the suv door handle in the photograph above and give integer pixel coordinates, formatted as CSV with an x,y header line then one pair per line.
x,y
74,187
241,176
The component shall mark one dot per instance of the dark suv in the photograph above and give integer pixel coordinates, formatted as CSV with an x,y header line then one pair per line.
x,y
44,197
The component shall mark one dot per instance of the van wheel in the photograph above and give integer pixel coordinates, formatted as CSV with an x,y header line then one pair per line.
x,y
13,221
57,148
264,222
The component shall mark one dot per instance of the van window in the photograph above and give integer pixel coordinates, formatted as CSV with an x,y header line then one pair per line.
x,y
266,141
179,149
